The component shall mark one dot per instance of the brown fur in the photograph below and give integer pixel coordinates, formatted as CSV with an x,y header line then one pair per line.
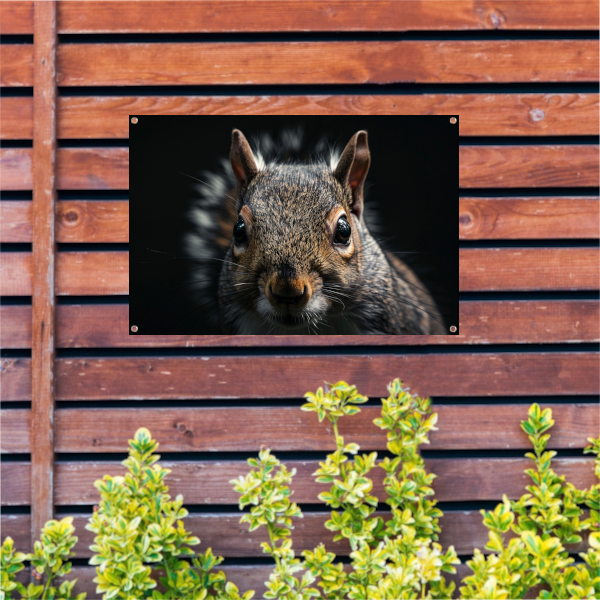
x,y
292,276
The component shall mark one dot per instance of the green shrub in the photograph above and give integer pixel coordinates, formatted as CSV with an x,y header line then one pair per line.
x,y
141,541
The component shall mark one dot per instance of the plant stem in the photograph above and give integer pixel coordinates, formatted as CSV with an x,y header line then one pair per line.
x,y
269,526
47,586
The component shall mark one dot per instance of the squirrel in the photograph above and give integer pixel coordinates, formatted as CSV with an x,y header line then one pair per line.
x,y
285,249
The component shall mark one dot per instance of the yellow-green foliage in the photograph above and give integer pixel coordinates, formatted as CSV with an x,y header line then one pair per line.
x,y
545,519
139,528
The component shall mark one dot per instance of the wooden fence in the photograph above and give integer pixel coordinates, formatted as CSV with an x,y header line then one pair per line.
x,y
523,77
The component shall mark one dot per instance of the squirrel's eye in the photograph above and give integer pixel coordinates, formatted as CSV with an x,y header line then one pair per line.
x,y
239,232
343,231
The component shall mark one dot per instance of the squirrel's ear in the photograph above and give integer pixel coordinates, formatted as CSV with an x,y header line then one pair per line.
x,y
353,167
242,159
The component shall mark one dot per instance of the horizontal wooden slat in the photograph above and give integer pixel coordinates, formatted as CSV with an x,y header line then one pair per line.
x,y
530,321
15,166
221,532
92,221
92,273
16,379
16,326
16,17
290,377
92,168
241,63
554,321
16,115
76,221
300,15
17,65
15,272
488,269
77,273
16,483
15,221
336,15
480,114
528,218
289,428
458,479
528,166
16,431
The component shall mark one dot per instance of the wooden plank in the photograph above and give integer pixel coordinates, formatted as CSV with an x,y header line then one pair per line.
x,y
17,65
481,374
528,218
93,168
530,321
16,431
487,269
76,221
77,273
16,485
93,273
43,263
16,379
15,166
17,527
15,221
528,166
16,114
16,326
296,15
268,63
16,17
92,221
519,321
15,271
459,479
290,429
480,114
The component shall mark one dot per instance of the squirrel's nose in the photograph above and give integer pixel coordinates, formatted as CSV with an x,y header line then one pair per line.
x,y
295,292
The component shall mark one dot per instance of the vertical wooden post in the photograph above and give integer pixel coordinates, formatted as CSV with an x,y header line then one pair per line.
x,y
44,200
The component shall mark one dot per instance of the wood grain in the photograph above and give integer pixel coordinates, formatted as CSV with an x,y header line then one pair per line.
x,y
16,17
15,221
16,484
17,65
480,114
268,63
77,273
510,373
16,431
76,221
528,218
290,429
93,168
92,273
15,273
92,221
521,321
295,15
528,166
16,379
43,263
16,114
16,326
528,269
482,322
15,166
458,479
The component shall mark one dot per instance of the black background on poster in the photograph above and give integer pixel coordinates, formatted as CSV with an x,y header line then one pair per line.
x,y
412,186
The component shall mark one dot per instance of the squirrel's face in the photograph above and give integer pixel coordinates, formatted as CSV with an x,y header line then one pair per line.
x,y
296,242
293,240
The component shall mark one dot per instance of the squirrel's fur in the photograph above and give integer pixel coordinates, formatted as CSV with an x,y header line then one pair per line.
x,y
289,273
